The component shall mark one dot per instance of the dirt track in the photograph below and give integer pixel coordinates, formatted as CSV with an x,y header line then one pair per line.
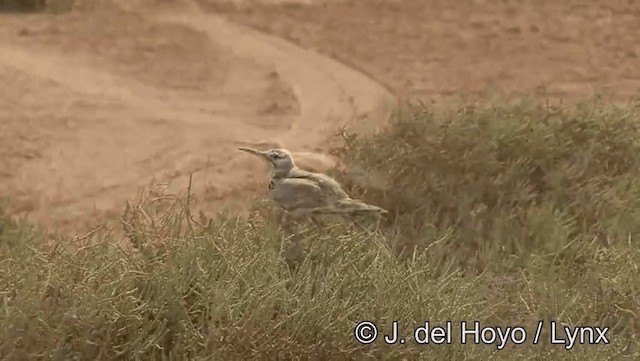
x,y
443,49
109,99
106,99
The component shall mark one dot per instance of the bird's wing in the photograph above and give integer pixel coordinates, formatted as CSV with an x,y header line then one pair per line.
x,y
294,193
329,186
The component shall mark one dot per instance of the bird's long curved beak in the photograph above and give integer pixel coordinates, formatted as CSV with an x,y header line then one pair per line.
x,y
255,152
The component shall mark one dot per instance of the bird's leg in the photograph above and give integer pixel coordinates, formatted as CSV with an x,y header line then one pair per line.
x,y
302,214
355,222
288,223
316,222
311,214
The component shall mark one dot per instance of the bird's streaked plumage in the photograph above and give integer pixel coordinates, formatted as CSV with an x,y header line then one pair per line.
x,y
302,192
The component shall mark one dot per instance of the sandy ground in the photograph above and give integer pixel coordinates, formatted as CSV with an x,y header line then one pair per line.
x,y
430,49
106,99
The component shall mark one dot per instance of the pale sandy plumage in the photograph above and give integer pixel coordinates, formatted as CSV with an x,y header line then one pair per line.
x,y
301,192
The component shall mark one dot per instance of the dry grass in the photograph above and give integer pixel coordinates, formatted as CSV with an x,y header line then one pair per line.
x,y
28,6
506,214
23,5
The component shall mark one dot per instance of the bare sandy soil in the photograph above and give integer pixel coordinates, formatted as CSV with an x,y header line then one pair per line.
x,y
106,99
433,48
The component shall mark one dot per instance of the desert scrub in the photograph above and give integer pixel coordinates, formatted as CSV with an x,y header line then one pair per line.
x,y
23,5
505,214
523,176
38,6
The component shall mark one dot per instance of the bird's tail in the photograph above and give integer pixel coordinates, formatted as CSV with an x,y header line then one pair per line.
x,y
354,206
344,206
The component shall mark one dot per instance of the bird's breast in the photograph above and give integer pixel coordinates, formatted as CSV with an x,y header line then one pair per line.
x,y
277,191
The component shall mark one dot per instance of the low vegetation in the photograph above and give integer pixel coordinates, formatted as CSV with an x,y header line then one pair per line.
x,y
23,5
506,214
36,6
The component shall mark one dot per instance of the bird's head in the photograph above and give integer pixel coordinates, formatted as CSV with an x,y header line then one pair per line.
x,y
280,160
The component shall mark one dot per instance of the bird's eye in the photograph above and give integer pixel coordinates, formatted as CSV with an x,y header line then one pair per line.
x,y
276,156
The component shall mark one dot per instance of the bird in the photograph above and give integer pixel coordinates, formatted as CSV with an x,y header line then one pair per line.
x,y
304,193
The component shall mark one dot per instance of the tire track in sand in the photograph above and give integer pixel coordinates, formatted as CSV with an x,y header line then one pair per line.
x,y
330,95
